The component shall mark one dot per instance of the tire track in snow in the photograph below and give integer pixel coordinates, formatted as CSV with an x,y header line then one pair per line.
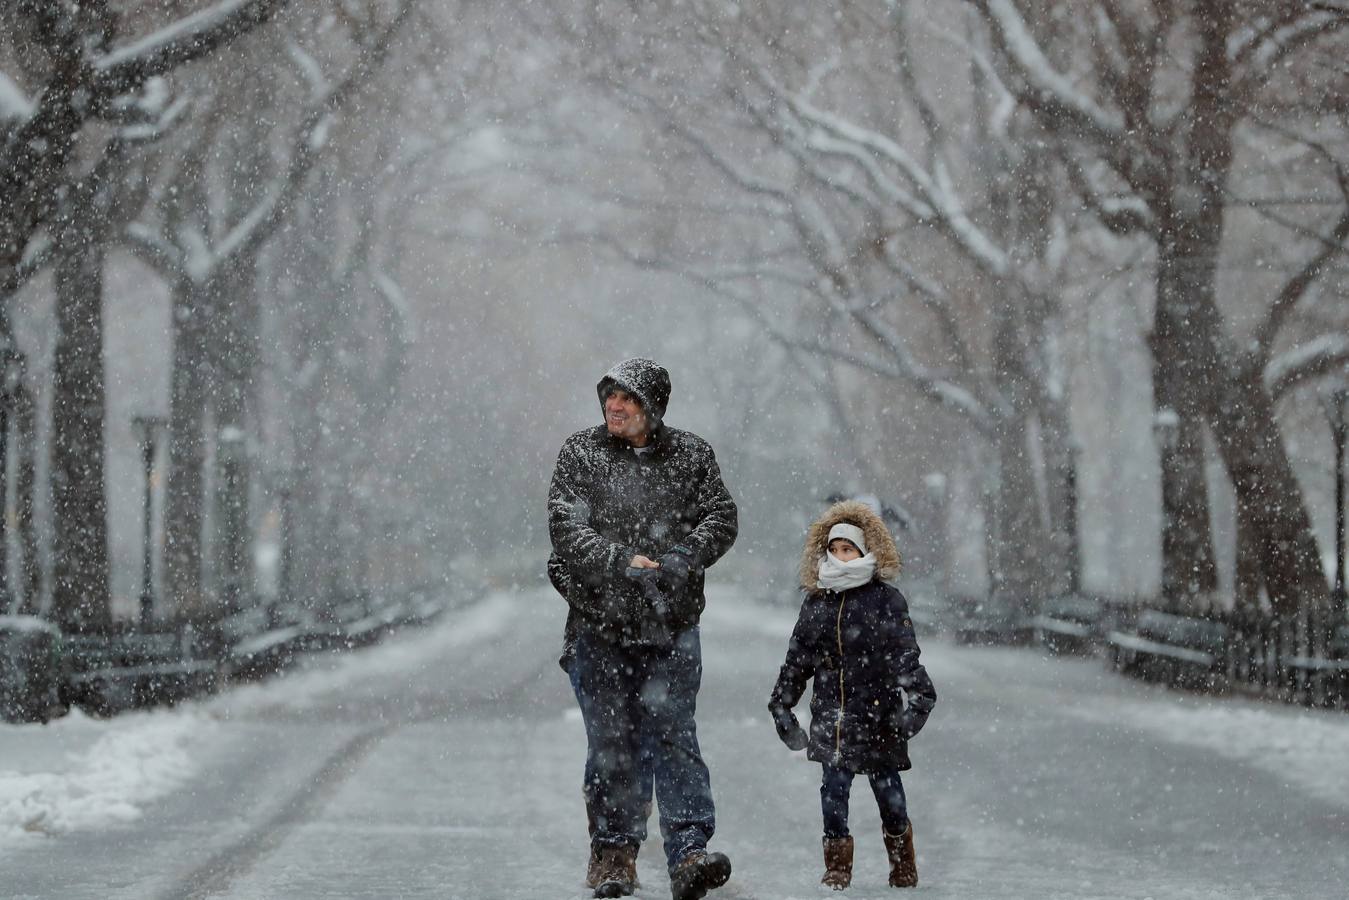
x,y
216,876
218,873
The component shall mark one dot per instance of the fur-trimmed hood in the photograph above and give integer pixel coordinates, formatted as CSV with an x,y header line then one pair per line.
x,y
874,532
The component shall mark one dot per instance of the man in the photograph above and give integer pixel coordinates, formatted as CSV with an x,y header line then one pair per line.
x,y
637,511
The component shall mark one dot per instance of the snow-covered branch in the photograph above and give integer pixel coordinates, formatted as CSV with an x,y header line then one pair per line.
x,y
311,139
189,38
737,175
1120,213
897,363
934,297
39,252
401,321
938,195
147,245
1044,86
1306,361
1296,287
15,105
1262,58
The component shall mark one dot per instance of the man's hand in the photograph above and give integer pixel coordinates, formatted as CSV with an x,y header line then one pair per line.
x,y
641,562
676,567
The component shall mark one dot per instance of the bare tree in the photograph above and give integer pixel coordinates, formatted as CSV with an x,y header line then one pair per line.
x,y
76,72
866,203
205,239
1149,110
55,207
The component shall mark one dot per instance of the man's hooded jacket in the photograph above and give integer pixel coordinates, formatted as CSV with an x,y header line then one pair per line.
x,y
608,503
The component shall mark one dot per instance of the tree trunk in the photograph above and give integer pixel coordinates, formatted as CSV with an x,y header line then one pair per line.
x,y
1248,581
307,547
1206,374
236,355
1059,452
25,491
1268,494
6,448
1019,538
187,454
80,595
1189,563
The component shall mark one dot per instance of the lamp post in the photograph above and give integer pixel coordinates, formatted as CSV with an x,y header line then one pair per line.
x,y
1336,402
147,430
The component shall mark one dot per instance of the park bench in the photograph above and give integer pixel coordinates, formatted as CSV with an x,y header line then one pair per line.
x,y
1068,623
1321,679
265,653
1179,650
112,672
988,620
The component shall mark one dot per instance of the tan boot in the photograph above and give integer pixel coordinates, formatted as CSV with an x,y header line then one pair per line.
x,y
593,872
903,864
617,871
837,862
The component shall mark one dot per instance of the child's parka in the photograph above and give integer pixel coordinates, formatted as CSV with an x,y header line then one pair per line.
x,y
860,648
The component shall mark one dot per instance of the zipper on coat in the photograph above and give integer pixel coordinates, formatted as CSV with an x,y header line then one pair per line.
x,y
838,724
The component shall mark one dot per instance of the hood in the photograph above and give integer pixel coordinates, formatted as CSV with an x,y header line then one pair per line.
x,y
854,512
645,380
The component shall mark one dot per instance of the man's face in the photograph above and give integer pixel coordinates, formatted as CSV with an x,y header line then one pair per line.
x,y
625,417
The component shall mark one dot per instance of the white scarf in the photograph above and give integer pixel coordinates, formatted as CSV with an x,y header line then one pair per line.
x,y
841,576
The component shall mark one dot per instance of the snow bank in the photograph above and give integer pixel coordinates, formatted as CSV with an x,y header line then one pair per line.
x,y
82,773
1305,749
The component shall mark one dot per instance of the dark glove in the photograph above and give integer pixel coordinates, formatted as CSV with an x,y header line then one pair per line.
x,y
655,623
676,567
906,722
790,731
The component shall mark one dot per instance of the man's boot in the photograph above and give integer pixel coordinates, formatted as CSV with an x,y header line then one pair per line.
x,y
617,871
903,864
837,862
698,873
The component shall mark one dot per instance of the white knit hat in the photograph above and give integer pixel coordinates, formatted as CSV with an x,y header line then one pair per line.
x,y
849,532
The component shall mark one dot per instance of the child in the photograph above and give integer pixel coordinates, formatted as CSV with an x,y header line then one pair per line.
x,y
855,638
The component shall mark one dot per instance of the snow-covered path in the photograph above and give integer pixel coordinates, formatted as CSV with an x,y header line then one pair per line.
x,y
446,764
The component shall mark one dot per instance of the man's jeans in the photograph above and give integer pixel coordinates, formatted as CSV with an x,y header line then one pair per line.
x,y
645,764
889,790
627,693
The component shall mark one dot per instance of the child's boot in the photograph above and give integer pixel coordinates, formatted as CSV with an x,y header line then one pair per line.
x,y
903,865
594,871
837,862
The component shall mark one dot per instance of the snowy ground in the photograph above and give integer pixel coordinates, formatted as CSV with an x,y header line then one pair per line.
x,y
446,763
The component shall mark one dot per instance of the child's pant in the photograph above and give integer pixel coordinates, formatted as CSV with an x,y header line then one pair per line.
x,y
889,791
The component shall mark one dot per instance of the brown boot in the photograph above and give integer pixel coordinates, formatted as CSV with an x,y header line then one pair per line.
x,y
617,871
593,872
903,865
837,862
697,873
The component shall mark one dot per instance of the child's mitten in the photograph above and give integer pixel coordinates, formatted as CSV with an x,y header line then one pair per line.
x,y
790,731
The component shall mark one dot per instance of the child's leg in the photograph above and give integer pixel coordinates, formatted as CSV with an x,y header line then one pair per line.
x,y
834,789
889,791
